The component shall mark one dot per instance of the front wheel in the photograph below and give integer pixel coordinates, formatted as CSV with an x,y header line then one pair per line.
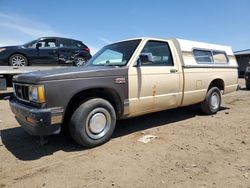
x,y
18,60
211,104
93,122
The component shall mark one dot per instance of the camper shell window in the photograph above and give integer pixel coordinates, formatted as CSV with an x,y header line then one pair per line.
x,y
210,56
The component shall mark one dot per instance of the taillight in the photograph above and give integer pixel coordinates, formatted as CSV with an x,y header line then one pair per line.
x,y
87,49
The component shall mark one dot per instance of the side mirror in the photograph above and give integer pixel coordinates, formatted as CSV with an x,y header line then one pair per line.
x,y
38,45
145,58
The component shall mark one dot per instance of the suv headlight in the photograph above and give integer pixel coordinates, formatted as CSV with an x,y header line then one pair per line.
x,y
2,49
37,94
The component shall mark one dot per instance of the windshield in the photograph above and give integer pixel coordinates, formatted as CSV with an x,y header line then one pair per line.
x,y
30,44
117,54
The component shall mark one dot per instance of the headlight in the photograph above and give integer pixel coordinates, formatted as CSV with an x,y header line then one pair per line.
x,y
2,49
36,94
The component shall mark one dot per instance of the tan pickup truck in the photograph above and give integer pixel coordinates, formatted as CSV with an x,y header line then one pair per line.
x,y
124,79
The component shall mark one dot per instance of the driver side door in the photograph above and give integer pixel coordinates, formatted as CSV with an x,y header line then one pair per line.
x,y
46,53
155,84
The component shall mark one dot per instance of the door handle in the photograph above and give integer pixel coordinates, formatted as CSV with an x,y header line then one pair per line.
x,y
173,70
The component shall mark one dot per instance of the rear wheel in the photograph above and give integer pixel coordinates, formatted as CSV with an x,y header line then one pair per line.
x,y
211,104
80,61
18,60
93,122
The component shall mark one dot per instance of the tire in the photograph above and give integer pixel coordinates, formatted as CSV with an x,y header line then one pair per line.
x,y
93,122
212,102
248,86
80,61
18,60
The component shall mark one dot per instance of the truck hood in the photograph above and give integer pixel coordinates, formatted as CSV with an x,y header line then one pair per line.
x,y
70,73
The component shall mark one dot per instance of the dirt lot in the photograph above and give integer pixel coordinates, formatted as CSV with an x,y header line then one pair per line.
x,y
192,150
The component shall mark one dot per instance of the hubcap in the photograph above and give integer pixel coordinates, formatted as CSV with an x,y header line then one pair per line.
x,y
80,61
18,61
98,123
215,101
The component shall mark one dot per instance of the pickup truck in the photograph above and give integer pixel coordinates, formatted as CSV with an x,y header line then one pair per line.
x,y
123,80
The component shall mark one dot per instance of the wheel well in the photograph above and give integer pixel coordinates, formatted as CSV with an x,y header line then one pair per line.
x,y
18,53
79,98
219,83
80,55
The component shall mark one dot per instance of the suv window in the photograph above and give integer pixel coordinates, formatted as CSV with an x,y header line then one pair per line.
x,y
156,53
77,44
65,43
45,43
48,43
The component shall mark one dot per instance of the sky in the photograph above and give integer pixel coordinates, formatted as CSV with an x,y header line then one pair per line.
x,y
100,22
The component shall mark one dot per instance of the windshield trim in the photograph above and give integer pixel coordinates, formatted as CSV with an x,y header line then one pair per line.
x,y
33,41
89,63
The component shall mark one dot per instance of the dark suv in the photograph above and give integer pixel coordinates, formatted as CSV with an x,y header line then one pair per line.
x,y
46,51
247,77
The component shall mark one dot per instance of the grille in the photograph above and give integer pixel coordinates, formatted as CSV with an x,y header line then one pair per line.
x,y
22,91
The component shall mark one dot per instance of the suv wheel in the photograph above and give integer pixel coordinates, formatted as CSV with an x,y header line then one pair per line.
x,y
211,104
93,122
18,60
80,61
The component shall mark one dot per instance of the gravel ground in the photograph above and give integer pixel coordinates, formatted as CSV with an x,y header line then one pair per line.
x,y
191,150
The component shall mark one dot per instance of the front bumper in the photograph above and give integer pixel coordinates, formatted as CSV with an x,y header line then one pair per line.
x,y
247,77
3,62
37,121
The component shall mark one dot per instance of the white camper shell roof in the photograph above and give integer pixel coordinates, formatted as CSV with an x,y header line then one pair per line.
x,y
187,47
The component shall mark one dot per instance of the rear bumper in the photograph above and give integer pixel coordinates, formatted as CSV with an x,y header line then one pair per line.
x,y
37,121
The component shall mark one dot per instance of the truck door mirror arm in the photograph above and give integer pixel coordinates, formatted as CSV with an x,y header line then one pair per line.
x,y
138,63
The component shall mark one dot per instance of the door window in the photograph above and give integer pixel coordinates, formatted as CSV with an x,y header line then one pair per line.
x,y
156,53
48,43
